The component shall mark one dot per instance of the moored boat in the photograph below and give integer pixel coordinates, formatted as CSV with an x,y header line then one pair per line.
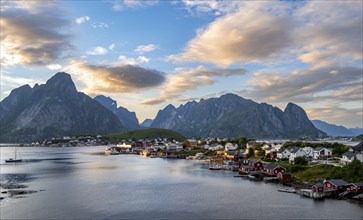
x,y
288,190
15,159
215,168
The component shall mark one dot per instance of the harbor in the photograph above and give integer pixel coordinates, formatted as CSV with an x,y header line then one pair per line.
x,y
67,177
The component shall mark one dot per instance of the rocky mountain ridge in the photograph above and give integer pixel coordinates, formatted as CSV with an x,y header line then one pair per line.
x,y
127,118
53,109
234,116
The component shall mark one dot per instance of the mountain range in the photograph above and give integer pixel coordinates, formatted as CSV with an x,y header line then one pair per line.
x,y
53,109
56,108
233,116
146,123
336,130
127,118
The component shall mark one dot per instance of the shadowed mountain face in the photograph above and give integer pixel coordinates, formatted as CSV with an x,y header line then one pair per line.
x,y
127,118
53,110
336,130
146,123
234,116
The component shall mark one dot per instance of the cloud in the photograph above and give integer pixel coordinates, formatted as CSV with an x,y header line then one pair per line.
x,y
146,48
103,79
133,61
215,7
185,79
81,20
330,35
337,115
12,81
54,66
100,25
306,85
239,37
298,32
33,35
98,51
112,46
120,5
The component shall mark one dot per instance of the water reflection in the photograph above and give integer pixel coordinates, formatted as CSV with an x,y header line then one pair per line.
x,y
89,185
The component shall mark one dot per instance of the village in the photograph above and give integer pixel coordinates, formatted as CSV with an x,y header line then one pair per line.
x,y
258,161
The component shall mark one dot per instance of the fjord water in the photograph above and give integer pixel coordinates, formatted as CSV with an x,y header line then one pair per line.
x,y
78,183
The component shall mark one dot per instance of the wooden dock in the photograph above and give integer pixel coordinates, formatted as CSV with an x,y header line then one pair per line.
x,y
310,194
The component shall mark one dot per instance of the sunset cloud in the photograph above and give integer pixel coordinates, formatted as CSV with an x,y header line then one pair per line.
x,y
305,85
185,79
33,36
239,37
103,79
337,115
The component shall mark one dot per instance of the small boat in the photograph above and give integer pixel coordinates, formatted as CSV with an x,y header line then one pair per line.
x,y
288,190
15,159
111,151
215,168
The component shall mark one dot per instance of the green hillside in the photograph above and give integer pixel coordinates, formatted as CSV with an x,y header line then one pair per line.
x,y
358,138
150,133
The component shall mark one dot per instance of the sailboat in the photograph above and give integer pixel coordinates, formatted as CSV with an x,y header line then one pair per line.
x,y
14,160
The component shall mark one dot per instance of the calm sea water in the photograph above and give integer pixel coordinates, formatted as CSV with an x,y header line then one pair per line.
x,y
78,183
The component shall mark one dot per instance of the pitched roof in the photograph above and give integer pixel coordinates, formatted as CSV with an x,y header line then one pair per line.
x,y
360,184
338,182
358,147
318,149
270,166
349,154
296,149
280,151
319,185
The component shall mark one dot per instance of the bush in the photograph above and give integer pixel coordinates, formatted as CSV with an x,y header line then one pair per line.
x,y
301,161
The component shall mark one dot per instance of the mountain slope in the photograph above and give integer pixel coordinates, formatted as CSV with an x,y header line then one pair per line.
x,y
333,130
52,110
146,123
127,118
233,116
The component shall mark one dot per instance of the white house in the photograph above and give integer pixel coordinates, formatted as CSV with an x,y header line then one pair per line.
x,y
283,153
320,152
359,156
193,142
216,147
266,146
175,147
229,146
309,151
296,152
277,147
347,157
206,146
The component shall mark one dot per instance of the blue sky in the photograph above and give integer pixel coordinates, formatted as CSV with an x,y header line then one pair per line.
x,y
147,54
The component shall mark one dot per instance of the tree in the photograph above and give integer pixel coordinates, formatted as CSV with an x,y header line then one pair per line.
x,y
300,161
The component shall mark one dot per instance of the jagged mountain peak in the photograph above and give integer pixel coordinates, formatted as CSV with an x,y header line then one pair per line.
x,y
127,118
53,109
61,81
231,116
106,101
169,107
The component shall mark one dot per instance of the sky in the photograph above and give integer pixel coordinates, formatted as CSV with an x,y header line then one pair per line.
x,y
148,54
